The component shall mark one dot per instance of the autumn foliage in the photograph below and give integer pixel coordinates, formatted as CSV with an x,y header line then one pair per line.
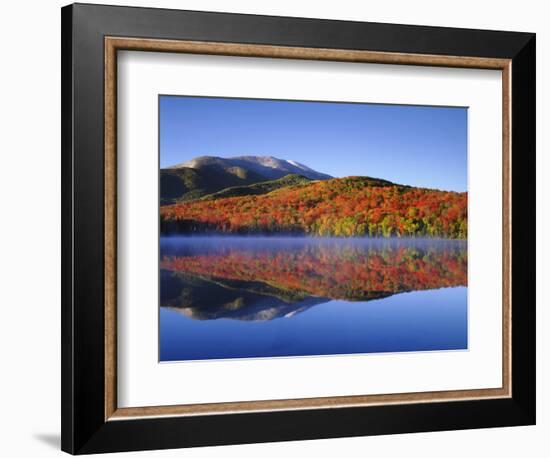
x,y
341,207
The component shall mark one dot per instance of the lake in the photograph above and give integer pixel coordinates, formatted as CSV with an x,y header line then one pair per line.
x,y
257,297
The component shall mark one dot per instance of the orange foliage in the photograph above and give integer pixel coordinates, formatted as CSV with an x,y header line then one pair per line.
x,y
342,207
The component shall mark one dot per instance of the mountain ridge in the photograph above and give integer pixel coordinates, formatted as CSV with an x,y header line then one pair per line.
x,y
207,175
269,166
263,187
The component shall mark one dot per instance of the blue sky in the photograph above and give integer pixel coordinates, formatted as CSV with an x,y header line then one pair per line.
x,y
414,145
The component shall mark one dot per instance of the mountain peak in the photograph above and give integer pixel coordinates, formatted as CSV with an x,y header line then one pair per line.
x,y
269,167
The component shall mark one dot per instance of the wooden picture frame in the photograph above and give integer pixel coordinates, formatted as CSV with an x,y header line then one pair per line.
x,y
91,420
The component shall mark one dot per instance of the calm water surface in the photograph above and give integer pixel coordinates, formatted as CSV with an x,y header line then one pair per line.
x,y
239,297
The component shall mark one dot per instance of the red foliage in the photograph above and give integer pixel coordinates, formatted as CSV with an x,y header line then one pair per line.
x,y
339,207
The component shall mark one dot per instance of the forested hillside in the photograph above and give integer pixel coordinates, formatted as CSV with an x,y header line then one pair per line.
x,y
341,207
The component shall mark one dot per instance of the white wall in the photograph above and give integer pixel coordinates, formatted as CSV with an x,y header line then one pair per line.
x,y
30,252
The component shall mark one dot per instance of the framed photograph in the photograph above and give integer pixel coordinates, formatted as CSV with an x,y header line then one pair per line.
x,y
281,228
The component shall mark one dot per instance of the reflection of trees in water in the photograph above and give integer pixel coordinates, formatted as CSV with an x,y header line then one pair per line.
x,y
348,272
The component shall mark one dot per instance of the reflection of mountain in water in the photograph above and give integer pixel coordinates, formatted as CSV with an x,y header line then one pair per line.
x,y
202,299
260,282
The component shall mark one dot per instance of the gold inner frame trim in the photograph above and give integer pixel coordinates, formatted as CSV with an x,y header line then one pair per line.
x,y
114,44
